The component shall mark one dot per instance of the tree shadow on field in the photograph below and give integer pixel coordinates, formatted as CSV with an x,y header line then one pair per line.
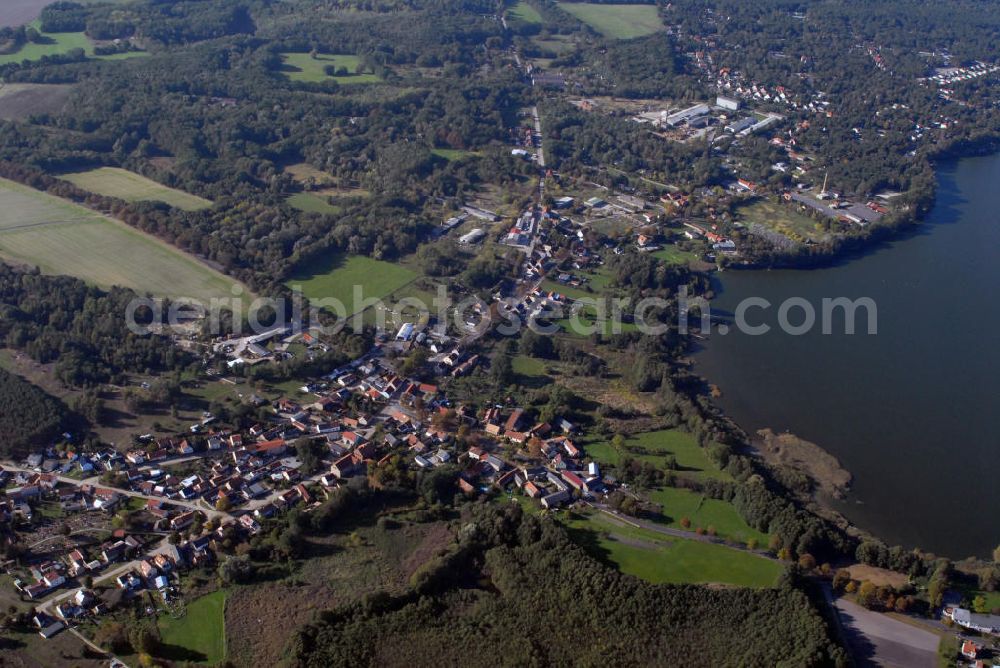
x,y
178,653
589,540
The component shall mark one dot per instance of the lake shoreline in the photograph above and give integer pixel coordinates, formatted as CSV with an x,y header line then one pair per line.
x,y
951,207
850,248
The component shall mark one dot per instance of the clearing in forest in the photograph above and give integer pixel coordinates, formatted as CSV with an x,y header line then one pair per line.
x,y
617,21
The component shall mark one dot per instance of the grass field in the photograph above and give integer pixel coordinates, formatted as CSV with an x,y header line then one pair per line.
x,y
673,255
200,633
303,172
335,277
969,594
56,44
132,187
704,512
617,21
522,11
659,559
528,366
782,219
598,281
303,67
659,445
558,43
311,203
586,323
452,153
63,238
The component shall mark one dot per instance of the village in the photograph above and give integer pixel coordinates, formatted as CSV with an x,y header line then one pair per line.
x,y
95,527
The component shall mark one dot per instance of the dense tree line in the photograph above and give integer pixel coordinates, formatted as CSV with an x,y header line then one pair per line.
x,y
81,329
28,416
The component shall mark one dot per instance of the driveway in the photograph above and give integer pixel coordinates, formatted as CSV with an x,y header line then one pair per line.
x,y
878,640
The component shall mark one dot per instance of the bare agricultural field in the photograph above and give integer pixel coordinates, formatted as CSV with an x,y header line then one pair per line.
x,y
18,101
132,187
61,237
30,650
877,576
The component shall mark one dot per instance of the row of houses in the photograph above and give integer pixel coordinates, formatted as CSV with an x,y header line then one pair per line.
x,y
51,574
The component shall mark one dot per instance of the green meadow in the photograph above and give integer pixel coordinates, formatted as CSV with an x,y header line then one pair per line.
x,y
656,447
305,68
453,153
617,21
57,44
674,255
336,276
656,558
522,11
310,203
198,636
705,513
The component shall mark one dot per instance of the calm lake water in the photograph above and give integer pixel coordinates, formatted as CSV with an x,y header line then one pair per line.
x,y
911,411
19,12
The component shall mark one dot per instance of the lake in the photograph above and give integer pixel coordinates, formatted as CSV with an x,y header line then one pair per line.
x,y
910,410
19,12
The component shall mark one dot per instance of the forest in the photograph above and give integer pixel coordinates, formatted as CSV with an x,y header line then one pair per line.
x,y
28,415
533,597
81,329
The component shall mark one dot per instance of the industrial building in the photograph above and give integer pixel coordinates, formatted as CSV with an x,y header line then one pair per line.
x,y
741,125
729,103
473,237
675,119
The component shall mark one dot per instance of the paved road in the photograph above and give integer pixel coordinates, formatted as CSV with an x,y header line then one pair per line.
x,y
678,533
879,640
541,148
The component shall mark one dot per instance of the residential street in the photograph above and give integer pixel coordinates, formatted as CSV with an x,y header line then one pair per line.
x,y
211,513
